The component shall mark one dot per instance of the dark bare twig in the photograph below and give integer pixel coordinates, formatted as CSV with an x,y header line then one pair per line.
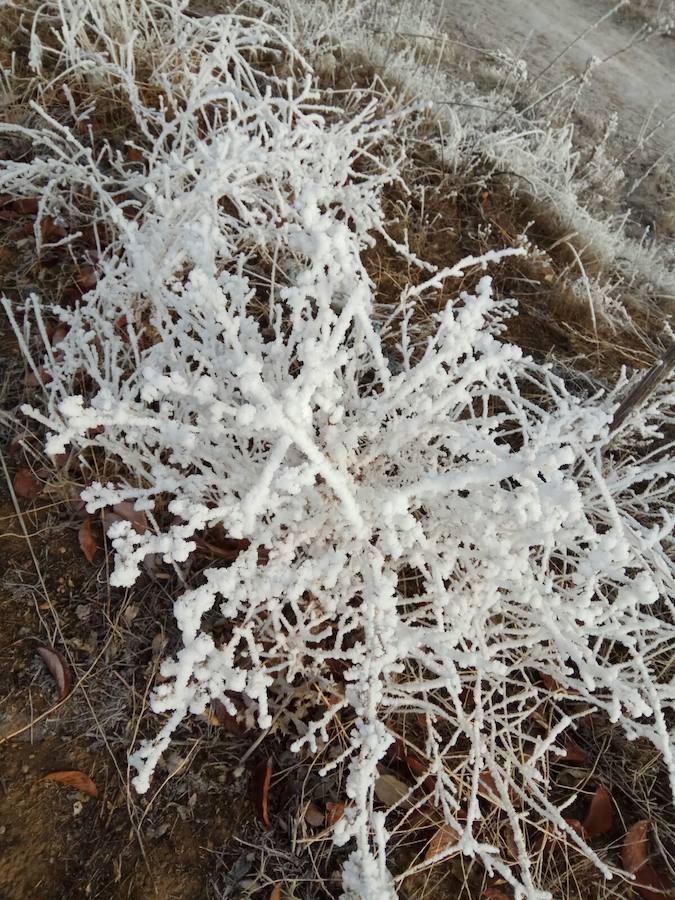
x,y
635,398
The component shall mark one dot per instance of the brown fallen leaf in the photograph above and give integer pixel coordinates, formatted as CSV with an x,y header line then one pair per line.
x,y
600,816
390,790
125,510
14,445
313,815
58,668
549,681
27,485
573,752
87,539
21,231
334,812
40,376
75,779
577,826
419,770
494,894
557,839
59,334
395,752
636,846
25,206
649,883
134,154
77,504
508,835
444,838
86,278
51,230
276,891
218,715
487,787
262,778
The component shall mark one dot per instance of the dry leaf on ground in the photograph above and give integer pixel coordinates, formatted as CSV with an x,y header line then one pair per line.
x,y
390,790
125,510
27,485
75,779
573,753
262,778
334,812
600,816
444,838
649,883
58,668
87,539
313,815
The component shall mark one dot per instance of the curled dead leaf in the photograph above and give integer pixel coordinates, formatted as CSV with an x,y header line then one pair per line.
x,y
86,278
125,510
313,815
59,334
390,790
444,838
508,835
577,826
420,770
87,540
549,681
396,751
487,787
27,485
40,376
218,715
334,812
58,668
600,816
51,230
573,752
559,839
25,206
635,846
77,504
21,231
134,154
276,891
649,883
262,779
74,779
14,445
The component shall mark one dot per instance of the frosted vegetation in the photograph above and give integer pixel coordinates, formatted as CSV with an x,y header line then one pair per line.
x,y
233,363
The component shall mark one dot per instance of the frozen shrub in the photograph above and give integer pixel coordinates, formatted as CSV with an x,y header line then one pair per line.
x,y
235,371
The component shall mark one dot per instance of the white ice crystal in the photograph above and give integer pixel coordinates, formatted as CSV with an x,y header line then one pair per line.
x,y
240,376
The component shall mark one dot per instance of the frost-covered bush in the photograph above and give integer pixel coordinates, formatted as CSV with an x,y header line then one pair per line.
x,y
230,361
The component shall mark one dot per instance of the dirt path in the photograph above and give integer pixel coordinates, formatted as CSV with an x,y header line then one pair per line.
x,y
637,83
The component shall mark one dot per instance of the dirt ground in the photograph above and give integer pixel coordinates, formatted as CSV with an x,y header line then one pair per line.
x,y
55,841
